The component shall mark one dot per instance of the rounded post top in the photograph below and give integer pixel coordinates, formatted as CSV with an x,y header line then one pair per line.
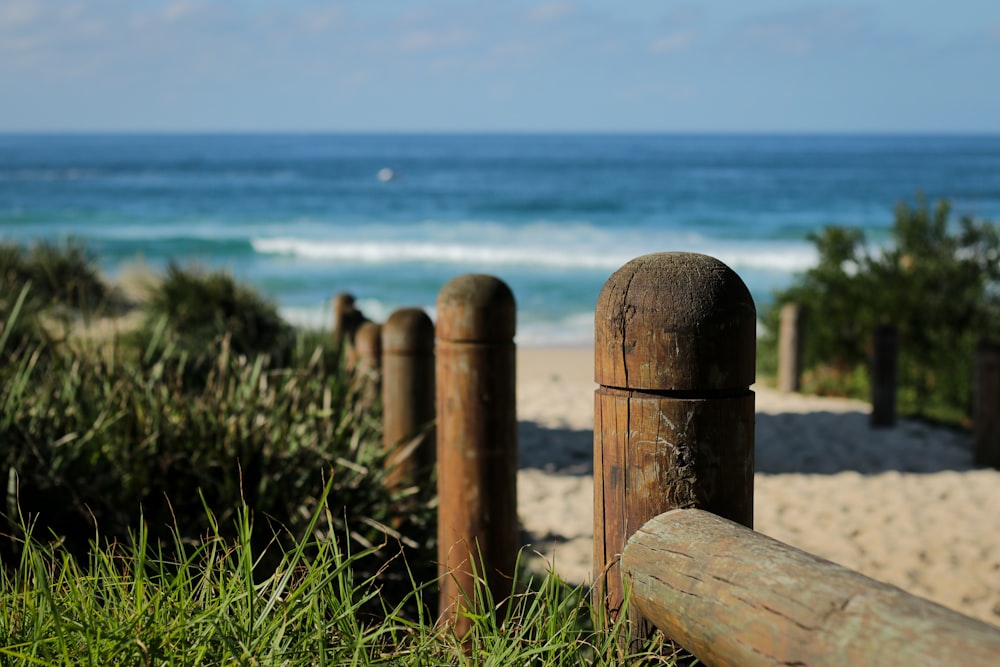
x,y
675,321
368,339
408,330
476,308
343,300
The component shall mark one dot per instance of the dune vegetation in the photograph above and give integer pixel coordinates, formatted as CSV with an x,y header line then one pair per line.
x,y
200,483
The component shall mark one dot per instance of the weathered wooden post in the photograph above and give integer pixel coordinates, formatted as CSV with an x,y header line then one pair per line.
x,y
366,361
368,346
477,442
733,596
790,348
987,406
408,395
344,316
347,321
885,355
674,346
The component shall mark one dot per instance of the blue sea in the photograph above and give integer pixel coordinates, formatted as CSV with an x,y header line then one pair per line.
x,y
391,218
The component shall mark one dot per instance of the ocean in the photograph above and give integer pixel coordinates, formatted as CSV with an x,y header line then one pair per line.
x,y
390,218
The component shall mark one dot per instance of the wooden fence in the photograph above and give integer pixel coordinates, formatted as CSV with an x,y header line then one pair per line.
x,y
673,479
885,347
474,435
674,351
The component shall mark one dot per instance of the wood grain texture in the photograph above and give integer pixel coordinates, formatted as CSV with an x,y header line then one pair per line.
x,y
408,396
790,348
675,321
735,597
674,347
654,454
477,442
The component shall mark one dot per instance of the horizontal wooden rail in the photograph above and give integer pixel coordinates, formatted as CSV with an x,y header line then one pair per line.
x,y
732,596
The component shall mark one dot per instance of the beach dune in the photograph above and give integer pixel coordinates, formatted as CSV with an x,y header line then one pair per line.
x,y
903,505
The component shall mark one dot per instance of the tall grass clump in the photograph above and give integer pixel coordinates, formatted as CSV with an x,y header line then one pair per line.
x,y
211,489
194,309
62,274
182,415
205,603
45,284
937,282
89,442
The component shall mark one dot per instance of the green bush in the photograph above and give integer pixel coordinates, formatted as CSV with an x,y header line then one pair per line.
x,y
45,283
20,322
936,283
90,441
61,274
198,309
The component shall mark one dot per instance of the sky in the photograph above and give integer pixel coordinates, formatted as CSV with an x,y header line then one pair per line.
x,y
500,65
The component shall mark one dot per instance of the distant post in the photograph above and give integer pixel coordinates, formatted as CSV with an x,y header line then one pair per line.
x,y
347,319
987,406
674,355
790,348
408,395
885,356
477,442
368,360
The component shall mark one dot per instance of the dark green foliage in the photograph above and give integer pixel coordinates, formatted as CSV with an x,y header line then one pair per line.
x,y
63,274
937,283
20,322
91,440
217,403
200,308
48,281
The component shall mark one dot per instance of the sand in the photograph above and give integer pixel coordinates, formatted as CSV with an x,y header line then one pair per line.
x,y
903,505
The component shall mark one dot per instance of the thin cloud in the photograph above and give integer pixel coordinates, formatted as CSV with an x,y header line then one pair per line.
x,y
803,32
321,20
672,42
180,10
430,40
18,14
550,11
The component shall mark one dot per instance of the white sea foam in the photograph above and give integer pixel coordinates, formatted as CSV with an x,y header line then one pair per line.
x,y
779,257
380,252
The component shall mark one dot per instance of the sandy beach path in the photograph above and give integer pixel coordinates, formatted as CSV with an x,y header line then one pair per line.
x,y
902,505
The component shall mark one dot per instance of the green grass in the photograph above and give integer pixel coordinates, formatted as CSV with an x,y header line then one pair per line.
x,y
204,604
217,494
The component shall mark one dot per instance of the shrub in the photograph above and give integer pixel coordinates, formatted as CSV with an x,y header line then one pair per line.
x,y
61,274
90,441
198,309
20,321
937,283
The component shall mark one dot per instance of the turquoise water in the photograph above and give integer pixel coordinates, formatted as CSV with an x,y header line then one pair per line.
x,y
390,218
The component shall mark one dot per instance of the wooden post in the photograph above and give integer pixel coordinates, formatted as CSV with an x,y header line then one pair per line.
x,y
368,344
477,442
885,355
735,597
347,319
790,348
987,407
408,395
343,308
674,345
366,361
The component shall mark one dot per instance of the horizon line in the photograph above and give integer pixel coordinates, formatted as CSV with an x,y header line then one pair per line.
x,y
505,132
